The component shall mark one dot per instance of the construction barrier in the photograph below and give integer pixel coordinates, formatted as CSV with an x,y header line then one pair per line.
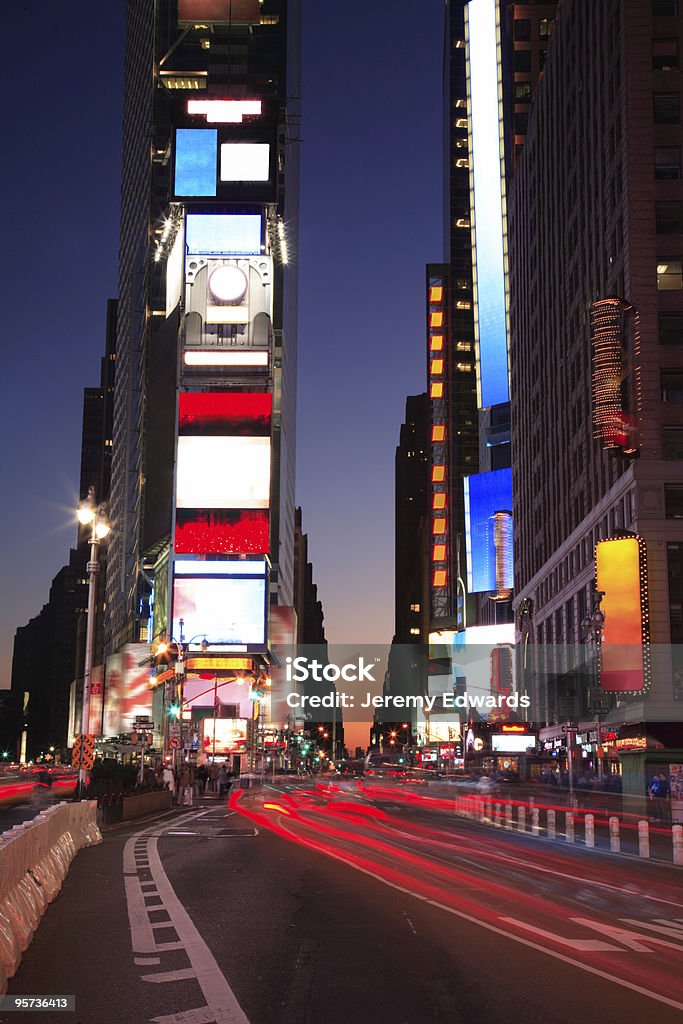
x,y
34,860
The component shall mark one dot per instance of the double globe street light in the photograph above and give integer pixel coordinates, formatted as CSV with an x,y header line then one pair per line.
x,y
92,514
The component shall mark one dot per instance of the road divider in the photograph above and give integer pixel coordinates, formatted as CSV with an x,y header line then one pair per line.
x,y
34,861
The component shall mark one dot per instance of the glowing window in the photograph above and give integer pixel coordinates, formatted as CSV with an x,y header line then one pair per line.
x,y
438,474
436,293
439,553
245,161
436,319
439,526
436,390
436,342
439,501
440,578
438,432
437,366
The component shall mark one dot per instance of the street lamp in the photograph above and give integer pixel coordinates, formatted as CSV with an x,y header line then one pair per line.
x,y
95,516
592,626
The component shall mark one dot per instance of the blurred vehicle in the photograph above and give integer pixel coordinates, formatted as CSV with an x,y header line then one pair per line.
x,y
392,766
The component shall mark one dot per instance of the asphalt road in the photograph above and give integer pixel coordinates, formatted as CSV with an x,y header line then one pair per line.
x,y
301,905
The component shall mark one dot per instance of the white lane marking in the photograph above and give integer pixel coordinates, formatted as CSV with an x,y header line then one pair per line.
x,y
497,931
674,933
146,961
627,938
163,976
582,945
219,996
141,934
200,1016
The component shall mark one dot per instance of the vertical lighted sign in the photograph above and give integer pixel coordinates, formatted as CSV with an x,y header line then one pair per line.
x,y
621,578
438,376
487,200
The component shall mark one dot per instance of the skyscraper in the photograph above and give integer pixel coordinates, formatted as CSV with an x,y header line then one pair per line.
x,y
596,236
204,416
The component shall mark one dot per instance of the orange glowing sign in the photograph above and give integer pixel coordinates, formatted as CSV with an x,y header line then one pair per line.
x,y
219,663
440,578
436,293
438,433
621,577
436,342
439,501
439,553
436,390
438,474
436,319
439,526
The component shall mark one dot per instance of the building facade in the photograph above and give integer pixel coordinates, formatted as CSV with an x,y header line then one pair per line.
x,y
595,235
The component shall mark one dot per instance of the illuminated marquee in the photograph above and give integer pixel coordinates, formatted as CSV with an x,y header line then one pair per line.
x,y
436,316
224,111
621,578
487,200
614,424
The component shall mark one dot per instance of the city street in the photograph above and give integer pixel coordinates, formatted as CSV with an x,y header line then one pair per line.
x,y
306,902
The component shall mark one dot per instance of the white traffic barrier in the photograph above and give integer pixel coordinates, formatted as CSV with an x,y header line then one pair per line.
x,y
535,824
508,815
569,827
497,815
550,824
589,830
34,860
521,818
643,839
614,836
677,837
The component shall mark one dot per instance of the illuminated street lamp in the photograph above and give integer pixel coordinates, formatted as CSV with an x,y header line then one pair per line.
x,y
90,514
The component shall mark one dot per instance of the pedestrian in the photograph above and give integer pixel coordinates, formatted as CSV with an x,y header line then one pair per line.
x,y
169,779
222,781
658,792
186,780
213,776
202,776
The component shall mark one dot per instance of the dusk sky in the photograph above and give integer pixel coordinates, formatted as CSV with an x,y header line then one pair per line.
x,y
370,221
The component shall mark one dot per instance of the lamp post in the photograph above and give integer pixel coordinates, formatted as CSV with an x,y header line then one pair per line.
x,y
90,514
592,627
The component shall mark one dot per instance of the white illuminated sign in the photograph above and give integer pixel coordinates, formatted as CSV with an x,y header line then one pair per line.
x,y
245,161
212,567
224,111
223,472
226,358
227,611
509,743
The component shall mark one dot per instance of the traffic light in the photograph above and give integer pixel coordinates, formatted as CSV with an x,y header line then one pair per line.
x,y
174,710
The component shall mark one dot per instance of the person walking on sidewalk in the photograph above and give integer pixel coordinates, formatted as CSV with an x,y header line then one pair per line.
x,y
185,785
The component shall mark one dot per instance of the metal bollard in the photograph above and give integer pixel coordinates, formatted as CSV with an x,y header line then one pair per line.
x,y
521,818
589,830
569,827
487,810
643,839
614,837
508,815
498,813
677,836
535,826
550,824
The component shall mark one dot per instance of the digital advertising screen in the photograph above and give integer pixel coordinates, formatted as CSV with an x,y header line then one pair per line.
x,y
223,234
228,610
223,472
485,495
222,413
227,163
222,532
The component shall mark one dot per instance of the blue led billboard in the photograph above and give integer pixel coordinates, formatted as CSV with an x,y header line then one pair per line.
x,y
488,536
196,156
487,202
223,234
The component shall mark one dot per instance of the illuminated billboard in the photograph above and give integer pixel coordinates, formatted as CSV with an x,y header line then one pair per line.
x,y
487,200
219,12
226,610
621,578
228,163
505,743
202,414
216,532
488,505
223,234
224,735
223,472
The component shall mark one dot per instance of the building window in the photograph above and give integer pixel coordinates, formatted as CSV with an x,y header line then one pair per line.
x,y
523,29
671,328
665,8
672,442
522,92
664,54
670,276
669,217
672,385
521,124
414,631
667,163
414,607
522,60
673,501
545,28
667,107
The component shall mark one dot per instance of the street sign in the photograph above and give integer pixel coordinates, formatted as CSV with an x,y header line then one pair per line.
x,y
83,753
174,729
174,743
